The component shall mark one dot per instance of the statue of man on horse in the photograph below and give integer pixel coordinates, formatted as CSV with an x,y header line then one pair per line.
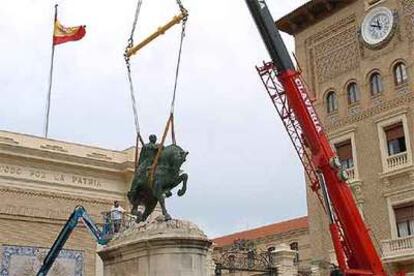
x,y
151,185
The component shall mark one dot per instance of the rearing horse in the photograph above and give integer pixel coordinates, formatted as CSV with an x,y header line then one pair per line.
x,y
167,176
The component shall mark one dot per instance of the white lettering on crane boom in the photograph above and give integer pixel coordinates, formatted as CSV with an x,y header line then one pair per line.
x,y
309,105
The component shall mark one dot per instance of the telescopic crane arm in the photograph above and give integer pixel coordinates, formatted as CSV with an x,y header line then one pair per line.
x,y
353,246
79,213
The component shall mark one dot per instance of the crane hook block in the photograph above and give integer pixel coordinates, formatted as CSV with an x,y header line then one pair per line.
x,y
161,30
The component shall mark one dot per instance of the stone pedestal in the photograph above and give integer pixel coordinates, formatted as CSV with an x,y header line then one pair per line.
x,y
315,270
284,259
157,248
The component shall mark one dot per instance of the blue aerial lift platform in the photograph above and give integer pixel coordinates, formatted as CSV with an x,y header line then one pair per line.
x,y
79,213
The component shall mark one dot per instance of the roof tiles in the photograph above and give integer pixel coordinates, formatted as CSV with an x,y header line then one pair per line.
x,y
268,230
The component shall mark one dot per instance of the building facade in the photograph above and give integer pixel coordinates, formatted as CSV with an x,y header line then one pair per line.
x,y
41,182
357,59
293,233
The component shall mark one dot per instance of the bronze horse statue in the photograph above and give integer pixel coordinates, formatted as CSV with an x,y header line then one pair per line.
x,y
167,176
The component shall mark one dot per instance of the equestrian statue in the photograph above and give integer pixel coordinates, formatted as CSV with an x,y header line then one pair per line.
x,y
146,189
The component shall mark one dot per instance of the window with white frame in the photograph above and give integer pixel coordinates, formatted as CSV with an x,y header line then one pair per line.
x,y
404,219
395,138
344,145
344,152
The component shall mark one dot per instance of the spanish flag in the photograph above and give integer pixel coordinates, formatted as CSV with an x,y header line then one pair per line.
x,y
64,34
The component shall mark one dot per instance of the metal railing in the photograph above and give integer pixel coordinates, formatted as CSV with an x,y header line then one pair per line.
x,y
126,222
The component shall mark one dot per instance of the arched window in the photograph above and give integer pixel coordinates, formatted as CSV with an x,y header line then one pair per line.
x,y
400,73
352,92
375,82
271,248
250,259
295,247
331,102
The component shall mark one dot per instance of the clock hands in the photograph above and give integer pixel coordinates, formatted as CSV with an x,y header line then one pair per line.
x,y
378,25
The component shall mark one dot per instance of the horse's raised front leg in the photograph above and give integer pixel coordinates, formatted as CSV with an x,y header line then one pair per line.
x,y
182,178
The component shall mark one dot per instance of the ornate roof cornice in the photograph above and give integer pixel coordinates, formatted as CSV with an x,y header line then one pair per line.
x,y
309,14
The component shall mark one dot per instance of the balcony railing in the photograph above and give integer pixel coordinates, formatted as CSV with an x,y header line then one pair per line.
x,y
397,161
398,248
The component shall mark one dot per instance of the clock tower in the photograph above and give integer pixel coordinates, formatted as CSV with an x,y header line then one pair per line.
x,y
357,58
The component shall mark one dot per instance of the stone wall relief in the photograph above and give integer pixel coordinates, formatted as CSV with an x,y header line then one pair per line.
x,y
377,100
354,109
332,118
399,190
336,55
399,182
356,187
408,17
398,101
326,53
403,89
357,191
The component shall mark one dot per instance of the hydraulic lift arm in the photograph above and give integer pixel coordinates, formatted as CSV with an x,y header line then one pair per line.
x,y
78,213
353,246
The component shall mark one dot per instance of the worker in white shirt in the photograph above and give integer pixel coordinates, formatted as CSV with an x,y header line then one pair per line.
x,y
116,215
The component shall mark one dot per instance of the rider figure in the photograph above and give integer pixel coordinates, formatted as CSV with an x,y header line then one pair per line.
x,y
148,153
145,161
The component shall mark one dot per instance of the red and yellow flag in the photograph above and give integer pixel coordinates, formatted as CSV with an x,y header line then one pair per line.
x,y
64,34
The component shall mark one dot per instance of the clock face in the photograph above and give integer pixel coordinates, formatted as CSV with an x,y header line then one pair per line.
x,y
377,25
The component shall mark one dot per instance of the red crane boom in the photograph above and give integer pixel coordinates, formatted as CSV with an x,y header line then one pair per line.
x,y
353,246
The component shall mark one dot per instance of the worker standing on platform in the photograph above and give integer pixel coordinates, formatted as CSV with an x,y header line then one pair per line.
x,y
116,215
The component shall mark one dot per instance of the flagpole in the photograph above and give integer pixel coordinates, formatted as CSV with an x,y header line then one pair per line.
x,y
49,94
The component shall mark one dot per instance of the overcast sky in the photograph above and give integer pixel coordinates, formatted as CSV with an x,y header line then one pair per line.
x,y
243,170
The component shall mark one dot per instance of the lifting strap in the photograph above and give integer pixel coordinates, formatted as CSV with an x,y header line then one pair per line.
x,y
170,121
131,84
130,50
177,69
160,147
